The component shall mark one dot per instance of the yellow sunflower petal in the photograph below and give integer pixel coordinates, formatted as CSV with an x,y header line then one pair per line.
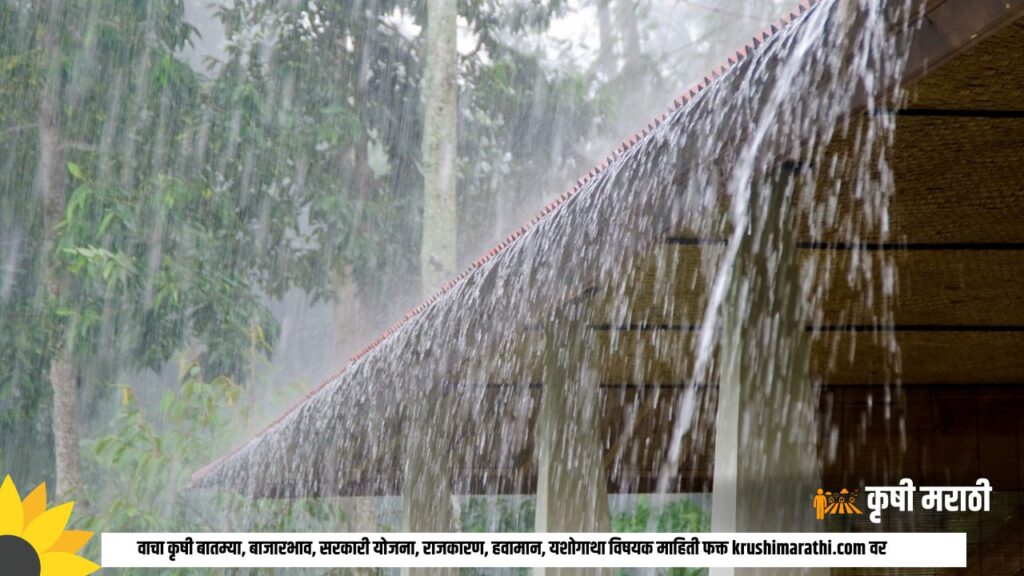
x,y
71,541
35,503
12,516
44,531
64,564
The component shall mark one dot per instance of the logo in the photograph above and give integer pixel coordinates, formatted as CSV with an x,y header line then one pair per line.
x,y
827,503
33,540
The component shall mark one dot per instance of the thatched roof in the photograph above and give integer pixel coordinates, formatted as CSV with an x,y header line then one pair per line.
x,y
957,231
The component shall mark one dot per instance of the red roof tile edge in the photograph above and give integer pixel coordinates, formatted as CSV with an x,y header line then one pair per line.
x,y
622,148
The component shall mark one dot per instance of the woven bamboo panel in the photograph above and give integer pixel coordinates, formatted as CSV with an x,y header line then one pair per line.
x,y
957,180
982,78
838,358
926,357
933,287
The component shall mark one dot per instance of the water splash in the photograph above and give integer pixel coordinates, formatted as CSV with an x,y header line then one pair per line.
x,y
465,375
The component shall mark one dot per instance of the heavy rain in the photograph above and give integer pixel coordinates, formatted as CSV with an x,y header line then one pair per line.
x,y
656,266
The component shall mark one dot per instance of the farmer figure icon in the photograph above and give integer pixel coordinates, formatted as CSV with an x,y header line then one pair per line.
x,y
819,505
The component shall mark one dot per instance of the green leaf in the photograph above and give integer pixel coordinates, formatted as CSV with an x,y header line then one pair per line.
x,y
103,444
107,219
76,171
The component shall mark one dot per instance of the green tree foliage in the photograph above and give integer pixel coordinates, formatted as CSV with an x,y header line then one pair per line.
x,y
335,113
676,516
193,198
146,459
158,255
92,40
497,514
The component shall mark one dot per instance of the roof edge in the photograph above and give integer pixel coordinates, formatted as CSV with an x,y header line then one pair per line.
x,y
716,73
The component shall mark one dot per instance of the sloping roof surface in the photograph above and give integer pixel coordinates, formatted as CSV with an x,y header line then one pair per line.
x,y
949,25
680,102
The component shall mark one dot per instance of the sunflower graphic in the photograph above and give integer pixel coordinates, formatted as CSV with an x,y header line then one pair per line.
x,y
33,541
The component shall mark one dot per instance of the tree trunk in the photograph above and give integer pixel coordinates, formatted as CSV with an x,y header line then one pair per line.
x,y
630,32
440,97
605,57
64,381
50,178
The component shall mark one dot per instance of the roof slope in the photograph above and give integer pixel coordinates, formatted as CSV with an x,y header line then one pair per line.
x,y
342,431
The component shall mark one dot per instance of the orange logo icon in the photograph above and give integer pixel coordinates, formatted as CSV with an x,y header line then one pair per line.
x,y
843,502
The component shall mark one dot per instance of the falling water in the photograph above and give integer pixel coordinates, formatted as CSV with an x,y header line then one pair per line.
x,y
454,392
666,287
